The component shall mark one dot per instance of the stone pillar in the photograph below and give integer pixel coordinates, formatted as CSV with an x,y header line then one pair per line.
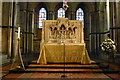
x,y
93,30
108,15
27,29
1,13
99,27
117,24
23,11
90,36
35,24
86,24
73,15
16,24
24,27
1,28
100,37
1,37
68,15
53,15
5,31
10,29
50,15
29,35
5,24
27,32
117,13
56,15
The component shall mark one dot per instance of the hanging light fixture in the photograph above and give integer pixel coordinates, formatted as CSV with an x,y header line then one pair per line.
x,y
65,5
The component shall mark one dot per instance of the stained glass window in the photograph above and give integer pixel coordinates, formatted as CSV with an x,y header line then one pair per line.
x,y
79,14
61,13
42,16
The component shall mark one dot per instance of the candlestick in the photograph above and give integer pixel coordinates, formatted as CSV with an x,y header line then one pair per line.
x,y
19,32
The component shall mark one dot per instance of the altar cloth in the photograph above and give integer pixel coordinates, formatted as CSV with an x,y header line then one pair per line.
x,y
63,53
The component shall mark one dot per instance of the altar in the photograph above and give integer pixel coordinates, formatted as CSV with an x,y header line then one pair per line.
x,y
63,42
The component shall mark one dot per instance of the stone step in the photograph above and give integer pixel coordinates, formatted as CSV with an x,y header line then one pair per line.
x,y
35,62
63,66
48,70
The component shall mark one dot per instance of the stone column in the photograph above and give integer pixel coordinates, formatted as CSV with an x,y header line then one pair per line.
x,y
117,13
92,39
27,39
100,37
117,24
29,35
1,37
50,15
56,15
35,25
108,15
93,30
1,28
22,15
27,32
24,27
53,15
16,24
90,36
5,24
86,24
10,29
69,15
1,13
73,15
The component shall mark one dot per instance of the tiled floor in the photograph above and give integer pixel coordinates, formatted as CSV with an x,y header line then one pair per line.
x,y
5,69
58,75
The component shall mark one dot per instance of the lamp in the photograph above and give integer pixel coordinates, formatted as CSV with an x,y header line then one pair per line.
x,y
65,5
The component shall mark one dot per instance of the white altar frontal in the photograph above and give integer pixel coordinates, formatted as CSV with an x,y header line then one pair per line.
x,y
63,42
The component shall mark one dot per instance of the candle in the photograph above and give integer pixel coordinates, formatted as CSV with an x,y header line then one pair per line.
x,y
19,32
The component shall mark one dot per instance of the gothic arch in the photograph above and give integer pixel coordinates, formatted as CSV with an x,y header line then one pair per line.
x,y
80,5
85,6
42,5
59,5
36,12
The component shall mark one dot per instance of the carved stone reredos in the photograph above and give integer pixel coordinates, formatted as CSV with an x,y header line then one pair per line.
x,y
62,29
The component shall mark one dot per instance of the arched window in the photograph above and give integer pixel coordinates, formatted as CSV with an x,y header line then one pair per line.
x,y
61,13
79,14
42,16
